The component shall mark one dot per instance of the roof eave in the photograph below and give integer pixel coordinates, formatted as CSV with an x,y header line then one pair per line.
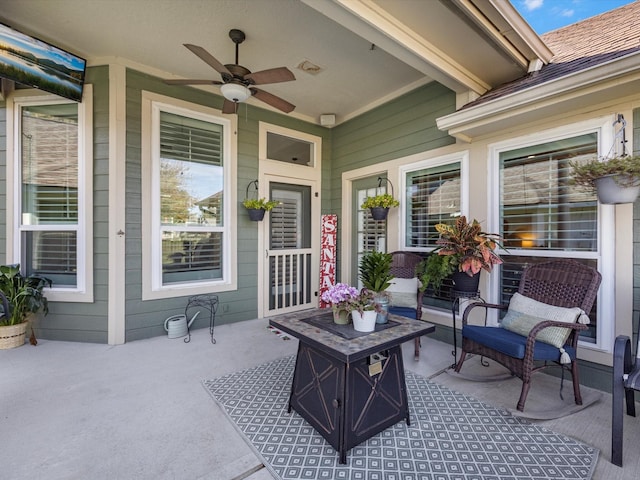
x,y
533,103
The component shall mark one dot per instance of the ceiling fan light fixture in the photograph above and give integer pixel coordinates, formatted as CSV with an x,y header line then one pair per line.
x,y
235,92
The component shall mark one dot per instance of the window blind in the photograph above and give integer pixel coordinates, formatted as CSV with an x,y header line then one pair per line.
x,y
433,196
540,208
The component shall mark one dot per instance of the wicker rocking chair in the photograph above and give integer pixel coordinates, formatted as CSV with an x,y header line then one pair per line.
x,y
561,283
403,265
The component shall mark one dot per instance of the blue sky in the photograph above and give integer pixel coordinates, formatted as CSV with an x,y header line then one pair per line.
x,y
547,15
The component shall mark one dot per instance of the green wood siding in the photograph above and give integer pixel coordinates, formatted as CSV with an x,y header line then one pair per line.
x,y
146,319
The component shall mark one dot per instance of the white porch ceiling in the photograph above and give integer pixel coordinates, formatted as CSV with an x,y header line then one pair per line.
x,y
370,51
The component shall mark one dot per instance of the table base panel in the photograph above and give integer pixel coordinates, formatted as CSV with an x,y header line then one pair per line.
x,y
343,402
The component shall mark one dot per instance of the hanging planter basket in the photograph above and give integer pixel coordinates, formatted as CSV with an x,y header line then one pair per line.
x,y
613,192
379,213
464,283
257,206
256,214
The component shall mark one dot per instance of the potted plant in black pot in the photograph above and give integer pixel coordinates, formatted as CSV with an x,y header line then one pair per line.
x,y
380,205
470,250
25,297
257,206
615,180
375,274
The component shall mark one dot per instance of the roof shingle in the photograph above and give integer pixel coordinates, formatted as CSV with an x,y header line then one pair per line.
x,y
582,45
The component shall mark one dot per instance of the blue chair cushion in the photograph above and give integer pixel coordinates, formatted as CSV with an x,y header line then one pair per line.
x,y
512,344
403,312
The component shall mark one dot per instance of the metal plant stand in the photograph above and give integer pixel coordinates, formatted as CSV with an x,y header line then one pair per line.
x,y
207,302
455,304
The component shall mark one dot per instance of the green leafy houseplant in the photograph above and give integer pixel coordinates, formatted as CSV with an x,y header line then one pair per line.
x,y
375,271
25,294
385,200
470,249
259,204
433,270
363,302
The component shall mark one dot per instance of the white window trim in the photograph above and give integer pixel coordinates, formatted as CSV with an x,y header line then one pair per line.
x,y
83,292
457,157
606,215
152,288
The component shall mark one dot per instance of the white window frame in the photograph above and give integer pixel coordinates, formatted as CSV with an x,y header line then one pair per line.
x,y
152,288
605,257
83,292
457,157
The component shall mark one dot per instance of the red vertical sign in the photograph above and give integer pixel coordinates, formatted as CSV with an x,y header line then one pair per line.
x,y
328,255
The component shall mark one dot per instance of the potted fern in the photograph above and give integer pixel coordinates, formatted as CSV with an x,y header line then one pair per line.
x,y
615,180
375,274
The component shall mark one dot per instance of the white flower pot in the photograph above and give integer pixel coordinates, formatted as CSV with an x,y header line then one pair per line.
x,y
611,193
365,322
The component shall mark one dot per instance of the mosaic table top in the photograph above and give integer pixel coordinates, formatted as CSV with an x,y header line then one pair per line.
x,y
316,327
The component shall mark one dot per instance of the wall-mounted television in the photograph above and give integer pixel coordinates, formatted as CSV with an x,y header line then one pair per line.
x,y
32,62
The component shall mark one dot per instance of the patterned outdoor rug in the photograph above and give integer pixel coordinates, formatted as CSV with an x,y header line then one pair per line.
x,y
451,436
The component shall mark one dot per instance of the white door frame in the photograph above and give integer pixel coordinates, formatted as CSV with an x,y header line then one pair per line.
x,y
284,172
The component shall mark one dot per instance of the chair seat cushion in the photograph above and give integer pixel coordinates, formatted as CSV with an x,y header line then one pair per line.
x,y
633,381
525,313
404,292
403,312
512,344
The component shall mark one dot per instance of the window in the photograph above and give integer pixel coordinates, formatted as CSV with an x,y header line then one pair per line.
x,y
52,170
433,194
188,199
542,215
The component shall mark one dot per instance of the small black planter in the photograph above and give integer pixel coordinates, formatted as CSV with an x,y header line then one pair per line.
x,y
256,214
379,213
464,283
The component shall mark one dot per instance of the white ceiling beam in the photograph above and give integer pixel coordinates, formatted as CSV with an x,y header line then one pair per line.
x,y
375,24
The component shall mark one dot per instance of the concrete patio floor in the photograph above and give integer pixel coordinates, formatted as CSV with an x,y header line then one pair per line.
x,y
139,410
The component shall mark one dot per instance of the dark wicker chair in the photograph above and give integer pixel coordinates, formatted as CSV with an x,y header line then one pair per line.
x,y
562,283
626,379
403,265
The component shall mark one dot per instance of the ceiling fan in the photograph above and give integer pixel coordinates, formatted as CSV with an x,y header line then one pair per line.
x,y
237,81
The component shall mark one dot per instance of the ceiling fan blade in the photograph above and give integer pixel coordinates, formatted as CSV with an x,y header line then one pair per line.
x,y
182,81
208,58
272,75
229,107
272,100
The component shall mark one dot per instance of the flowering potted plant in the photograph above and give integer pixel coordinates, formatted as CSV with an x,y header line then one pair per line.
x,y
257,206
615,180
379,205
340,296
471,251
364,311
